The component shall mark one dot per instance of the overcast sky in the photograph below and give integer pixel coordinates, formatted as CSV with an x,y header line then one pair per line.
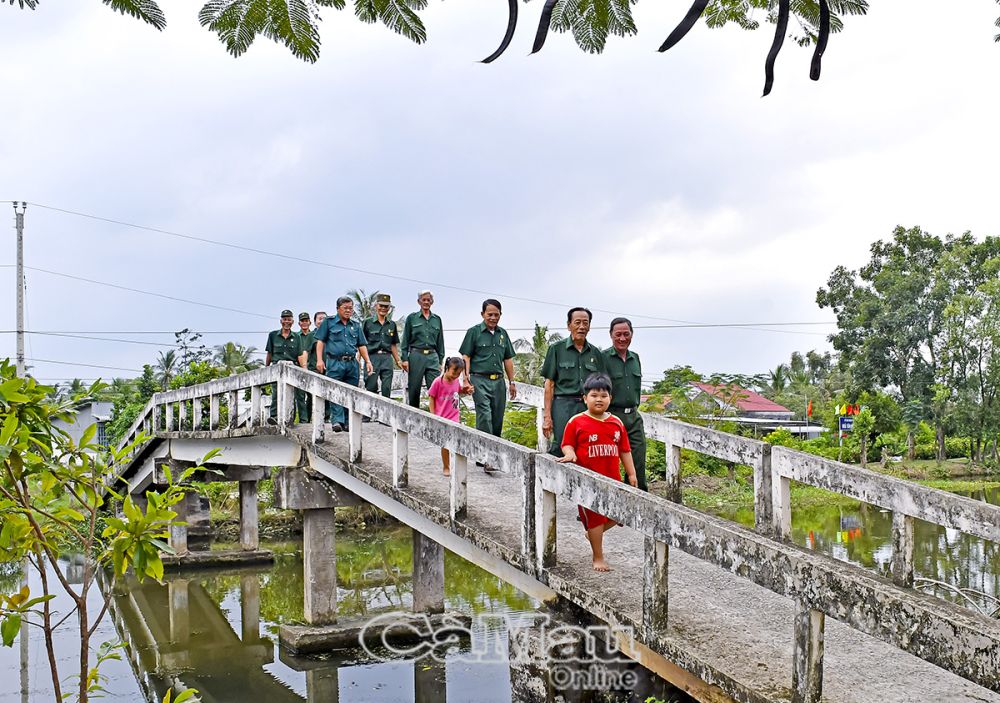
x,y
657,186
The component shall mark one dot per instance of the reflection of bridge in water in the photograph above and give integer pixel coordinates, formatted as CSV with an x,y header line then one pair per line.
x,y
180,638
722,610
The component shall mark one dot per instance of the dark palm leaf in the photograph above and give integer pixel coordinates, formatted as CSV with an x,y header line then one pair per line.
x,y
146,10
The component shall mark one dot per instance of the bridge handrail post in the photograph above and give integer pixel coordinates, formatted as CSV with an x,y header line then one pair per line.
x,y
196,413
807,655
545,521
655,587
157,417
763,494
459,489
672,470
902,549
182,414
233,409
400,458
168,417
543,441
354,425
528,513
318,419
781,505
285,397
213,411
255,407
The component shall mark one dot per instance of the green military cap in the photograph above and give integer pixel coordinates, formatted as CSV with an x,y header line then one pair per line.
x,y
287,313
303,316
383,299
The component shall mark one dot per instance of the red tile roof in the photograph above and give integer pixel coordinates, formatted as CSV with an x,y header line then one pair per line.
x,y
741,398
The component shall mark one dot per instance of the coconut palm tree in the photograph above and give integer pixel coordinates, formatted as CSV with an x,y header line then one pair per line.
x,y
364,303
166,368
778,378
236,358
531,354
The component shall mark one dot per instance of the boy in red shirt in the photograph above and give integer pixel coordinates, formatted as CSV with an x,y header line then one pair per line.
x,y
597,440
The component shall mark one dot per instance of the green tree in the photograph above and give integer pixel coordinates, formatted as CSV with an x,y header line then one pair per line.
x,y
52,493
166,367
864,424
236,358
364,303
530,354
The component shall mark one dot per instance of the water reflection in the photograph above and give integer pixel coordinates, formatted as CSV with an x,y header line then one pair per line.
x,y
862,534
217,631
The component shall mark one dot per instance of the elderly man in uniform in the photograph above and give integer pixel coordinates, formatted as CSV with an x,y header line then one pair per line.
x,y
423,347
307,360
567,364
489,354
383,346
625,370
282,345
338,342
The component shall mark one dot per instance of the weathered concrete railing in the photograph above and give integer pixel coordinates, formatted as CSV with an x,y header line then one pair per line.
x,y
958,640
905,499
676,436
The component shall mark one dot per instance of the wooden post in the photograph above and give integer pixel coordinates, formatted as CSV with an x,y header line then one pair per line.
x,y
654,588
807,656
354,424
249,536
763,494
233,403
255,407
902,550
213,412
781,504
459,486
318,419
428,575
545,527
400,458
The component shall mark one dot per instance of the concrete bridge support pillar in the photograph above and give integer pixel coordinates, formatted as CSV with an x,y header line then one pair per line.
x,y
807,656
249,539
179,531
323,685
654,588
902,550
428,574
249,609
430,683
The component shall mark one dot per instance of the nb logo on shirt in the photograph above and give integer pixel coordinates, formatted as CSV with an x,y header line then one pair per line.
x,y
593,438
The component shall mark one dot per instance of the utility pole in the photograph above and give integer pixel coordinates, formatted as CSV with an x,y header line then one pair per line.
x,y
19,209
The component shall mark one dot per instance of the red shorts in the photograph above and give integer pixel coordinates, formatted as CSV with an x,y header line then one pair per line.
x,y
588,517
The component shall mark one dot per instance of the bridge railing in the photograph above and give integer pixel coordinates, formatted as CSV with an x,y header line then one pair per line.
x,y
958,640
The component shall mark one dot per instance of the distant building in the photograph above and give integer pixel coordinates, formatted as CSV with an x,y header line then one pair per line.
x,y
736,400
90,412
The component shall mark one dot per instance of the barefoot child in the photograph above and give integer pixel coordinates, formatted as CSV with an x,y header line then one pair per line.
x,y
597,440
443,397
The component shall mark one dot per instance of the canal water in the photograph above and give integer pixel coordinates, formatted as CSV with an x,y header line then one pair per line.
x,y
223,638
862,534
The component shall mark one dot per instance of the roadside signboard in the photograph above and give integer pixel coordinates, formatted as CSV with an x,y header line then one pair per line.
x,y
846,424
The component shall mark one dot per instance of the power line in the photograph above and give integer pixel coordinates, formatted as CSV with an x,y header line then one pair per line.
x,y
79,363
144,292
300,259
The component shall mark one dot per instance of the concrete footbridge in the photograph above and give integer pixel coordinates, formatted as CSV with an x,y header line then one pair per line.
x,y
723,611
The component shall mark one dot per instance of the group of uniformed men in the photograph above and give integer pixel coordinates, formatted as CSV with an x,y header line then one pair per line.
x,y
336,343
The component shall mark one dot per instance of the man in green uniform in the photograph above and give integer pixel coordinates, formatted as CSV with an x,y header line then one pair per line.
x,y
423,347
567,364
339,340
383,346
488,355
307,360
282,345
625,369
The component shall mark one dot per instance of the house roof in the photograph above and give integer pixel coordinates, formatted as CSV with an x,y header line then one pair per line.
x,y
742,399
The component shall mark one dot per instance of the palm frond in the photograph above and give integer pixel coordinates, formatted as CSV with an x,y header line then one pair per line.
x,y
146,10
293,23
398,16
237,22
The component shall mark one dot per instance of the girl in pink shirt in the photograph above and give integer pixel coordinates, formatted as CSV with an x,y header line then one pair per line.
x,y
443,397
